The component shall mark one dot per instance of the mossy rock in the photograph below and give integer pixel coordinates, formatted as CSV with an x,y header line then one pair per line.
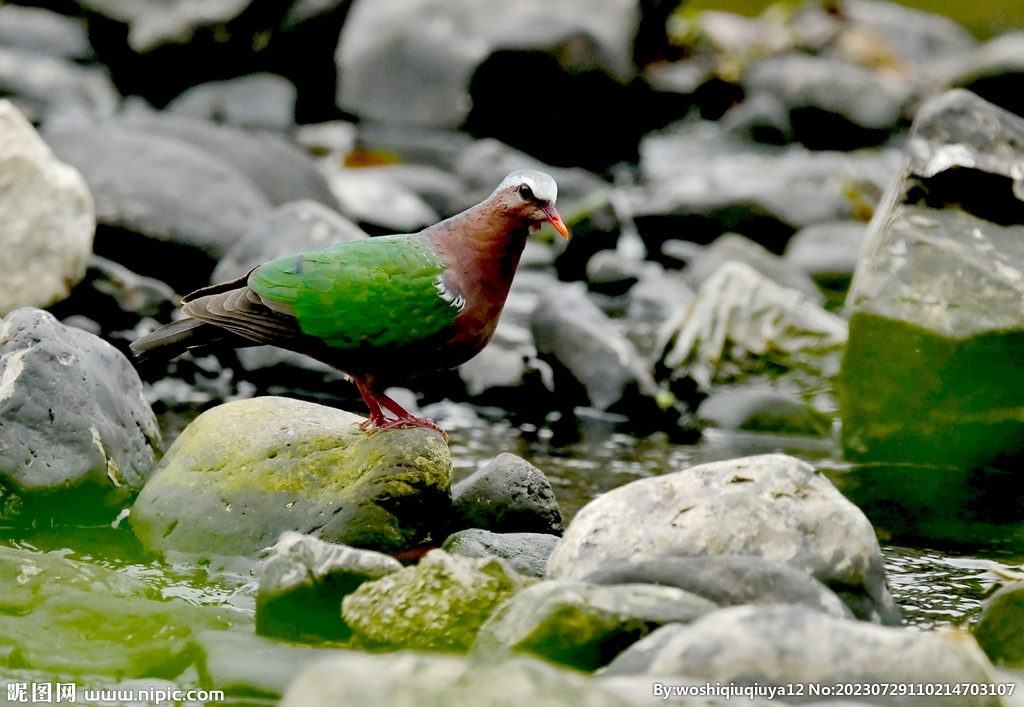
x,y
1000,628
244,472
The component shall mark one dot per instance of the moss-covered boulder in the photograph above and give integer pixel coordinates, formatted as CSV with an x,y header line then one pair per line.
x,y
1000,628
437,605
933,371
244,472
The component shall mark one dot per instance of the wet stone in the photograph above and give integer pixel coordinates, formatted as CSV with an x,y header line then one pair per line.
x,y
580,625
436,605
1000,628
244,472
527,553
509,495
302,583
763,410
772,506
727,580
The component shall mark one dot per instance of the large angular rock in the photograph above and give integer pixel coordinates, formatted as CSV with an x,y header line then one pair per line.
x,y
437,605
280,169
392,70
47,218
509,495
583,626
932,372
302,583
781,645
527,553
407,678
293,228
162,187
244,472
773,506
72,418
726,580
260,101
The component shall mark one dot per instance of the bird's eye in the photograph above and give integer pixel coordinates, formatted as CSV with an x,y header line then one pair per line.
x,y
526,192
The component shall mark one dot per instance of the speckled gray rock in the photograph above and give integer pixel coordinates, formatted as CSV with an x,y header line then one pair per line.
x,y
244,472
527,553
262,101
162,187
733,246
773,506
302,582
279,168
436,605
292,228
509,495
937,302
727,580
583,626
407,678
72,416
391,70
43,31
47,218
778,645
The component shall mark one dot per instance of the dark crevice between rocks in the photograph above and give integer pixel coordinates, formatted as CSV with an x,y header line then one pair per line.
x,y
705,228
982,194
185,268
820,130
1006,91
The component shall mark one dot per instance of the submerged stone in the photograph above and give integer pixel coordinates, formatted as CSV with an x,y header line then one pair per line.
x,y
302,583
437,605
933,372
583,626
244,472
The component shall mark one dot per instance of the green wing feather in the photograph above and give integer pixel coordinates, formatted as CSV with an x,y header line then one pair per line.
x,y
376,291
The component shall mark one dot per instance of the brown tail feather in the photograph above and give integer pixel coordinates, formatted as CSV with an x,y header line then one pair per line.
x,y
174,339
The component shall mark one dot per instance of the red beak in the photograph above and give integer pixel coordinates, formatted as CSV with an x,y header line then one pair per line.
x,y
555,220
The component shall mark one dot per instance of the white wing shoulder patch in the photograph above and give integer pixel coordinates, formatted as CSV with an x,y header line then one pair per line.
x,y
449,295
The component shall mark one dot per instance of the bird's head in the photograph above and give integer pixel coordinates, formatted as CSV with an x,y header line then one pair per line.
x,y
531,195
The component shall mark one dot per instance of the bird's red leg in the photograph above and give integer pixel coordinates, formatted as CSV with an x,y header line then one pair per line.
x,y
377,420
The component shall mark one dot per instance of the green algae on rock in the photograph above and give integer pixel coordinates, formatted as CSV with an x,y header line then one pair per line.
x,y
437,605
1000,628
932,372
244,472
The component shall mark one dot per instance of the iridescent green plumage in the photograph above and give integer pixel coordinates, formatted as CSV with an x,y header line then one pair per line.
x,y
378,292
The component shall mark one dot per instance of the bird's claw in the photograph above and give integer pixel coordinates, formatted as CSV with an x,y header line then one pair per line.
x,y
370,425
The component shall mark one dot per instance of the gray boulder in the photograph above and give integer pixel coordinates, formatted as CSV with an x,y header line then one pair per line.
x,y
436,605
572,331
281,170
527,553
936,303
772,506
162,187
302,583
509,495
726,580
244,472
261,101
44,31
46,224
72,418
776,646
920,38
378,198
827,251
56,90
292,228
408,678
733,246
392,70
583,626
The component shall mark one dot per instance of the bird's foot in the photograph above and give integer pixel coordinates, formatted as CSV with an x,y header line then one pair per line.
x,y
370,425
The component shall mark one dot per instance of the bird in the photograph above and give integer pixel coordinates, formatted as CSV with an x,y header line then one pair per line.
x,y
382,310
